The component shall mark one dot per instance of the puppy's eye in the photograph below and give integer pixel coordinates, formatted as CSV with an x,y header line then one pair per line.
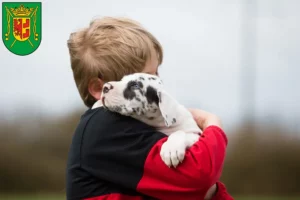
x,y
135,85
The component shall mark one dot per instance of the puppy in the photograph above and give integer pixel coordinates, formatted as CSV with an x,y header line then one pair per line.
x,y
142,97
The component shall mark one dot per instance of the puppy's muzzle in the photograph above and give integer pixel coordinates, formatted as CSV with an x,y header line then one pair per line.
x,y
107,87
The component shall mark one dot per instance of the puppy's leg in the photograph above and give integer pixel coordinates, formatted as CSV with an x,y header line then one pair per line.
x,y
191,138
173,150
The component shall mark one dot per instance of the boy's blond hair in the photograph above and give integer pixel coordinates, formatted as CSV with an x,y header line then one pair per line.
x,y
109,49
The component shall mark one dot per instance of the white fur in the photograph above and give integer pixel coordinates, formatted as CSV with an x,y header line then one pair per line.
x,y
183,132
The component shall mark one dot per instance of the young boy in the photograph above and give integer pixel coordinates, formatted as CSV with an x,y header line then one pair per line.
x,y
117,157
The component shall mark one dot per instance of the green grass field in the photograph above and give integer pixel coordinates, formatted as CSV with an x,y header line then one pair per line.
x,y
61,197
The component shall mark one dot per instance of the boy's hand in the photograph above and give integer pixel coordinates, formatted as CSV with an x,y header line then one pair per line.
x,y
211,192
205,119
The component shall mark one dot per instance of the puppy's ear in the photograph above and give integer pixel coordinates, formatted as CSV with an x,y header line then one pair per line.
x,y
168,107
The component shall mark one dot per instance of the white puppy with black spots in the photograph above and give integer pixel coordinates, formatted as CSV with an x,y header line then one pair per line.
x,y
142,97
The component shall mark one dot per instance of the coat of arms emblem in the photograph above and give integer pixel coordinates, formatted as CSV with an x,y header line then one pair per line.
x,y
21,26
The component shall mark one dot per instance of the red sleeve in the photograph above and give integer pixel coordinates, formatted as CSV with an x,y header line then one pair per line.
x,y
201,168
222,193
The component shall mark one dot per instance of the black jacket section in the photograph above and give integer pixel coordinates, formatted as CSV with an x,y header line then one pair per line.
x,y
107,154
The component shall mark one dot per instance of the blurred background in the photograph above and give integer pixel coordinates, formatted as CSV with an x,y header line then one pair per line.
x,y
239,59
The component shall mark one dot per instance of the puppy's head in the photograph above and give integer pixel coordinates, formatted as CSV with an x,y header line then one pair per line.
x,y
141,96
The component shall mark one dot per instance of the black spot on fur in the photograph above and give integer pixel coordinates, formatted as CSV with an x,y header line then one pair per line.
x,y
174,121
128,92
154,110
140,84
142,78
118,109
142,92
152,78
159,97
138,99
151,95
151,118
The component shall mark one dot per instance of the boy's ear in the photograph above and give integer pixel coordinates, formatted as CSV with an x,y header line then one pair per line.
x,y
95,88
168,107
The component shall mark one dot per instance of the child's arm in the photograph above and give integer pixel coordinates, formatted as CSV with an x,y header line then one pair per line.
x,y
221,193
131,158
200,169
205,119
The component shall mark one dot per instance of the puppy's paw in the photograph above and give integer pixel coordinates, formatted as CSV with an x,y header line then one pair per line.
x,y
173,150
191,138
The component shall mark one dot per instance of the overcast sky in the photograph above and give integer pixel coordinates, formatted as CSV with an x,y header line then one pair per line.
x,y
203,60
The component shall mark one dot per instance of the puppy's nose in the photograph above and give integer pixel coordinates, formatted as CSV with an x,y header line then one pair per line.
x,y
107,87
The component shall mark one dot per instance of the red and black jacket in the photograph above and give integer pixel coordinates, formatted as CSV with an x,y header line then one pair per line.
x,y
115,157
